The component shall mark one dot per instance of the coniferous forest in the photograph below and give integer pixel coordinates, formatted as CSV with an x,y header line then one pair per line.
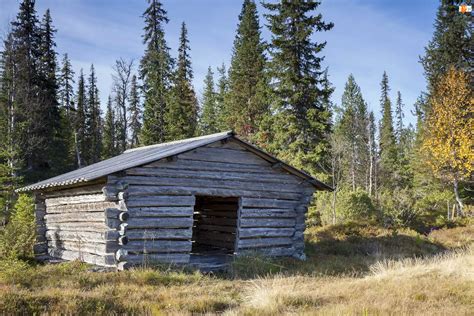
x,y
401,189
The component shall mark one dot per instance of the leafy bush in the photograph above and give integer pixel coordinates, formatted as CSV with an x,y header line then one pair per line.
x,y
18,237
355,206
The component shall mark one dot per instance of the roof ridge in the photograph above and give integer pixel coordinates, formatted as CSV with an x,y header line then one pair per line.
x,y
174,142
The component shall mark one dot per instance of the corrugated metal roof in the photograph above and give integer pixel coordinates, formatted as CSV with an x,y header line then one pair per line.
x,y
140,156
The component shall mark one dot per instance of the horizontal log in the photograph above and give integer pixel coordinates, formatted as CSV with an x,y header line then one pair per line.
x,y
157,246
83,207
199,165
153,234
192,189
271,252
213,183
221,214
75,217
147,259
223,155
265,232
100,260
161,211
82,235
79,199
40,248
213,175
267,222
184,200
264,242
269,203
163,222
80,226
83,190
216,243
87,247
278,212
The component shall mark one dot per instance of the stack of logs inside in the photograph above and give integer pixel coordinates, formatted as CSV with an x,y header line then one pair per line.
x,y
215,224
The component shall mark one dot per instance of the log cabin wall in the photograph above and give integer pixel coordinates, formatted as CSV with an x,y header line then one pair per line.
x,y
160,200
79,223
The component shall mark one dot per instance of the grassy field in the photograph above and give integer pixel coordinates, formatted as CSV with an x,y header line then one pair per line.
x,y
351,269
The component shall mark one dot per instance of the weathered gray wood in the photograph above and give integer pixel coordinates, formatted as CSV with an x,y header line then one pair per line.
x,y
191,189
157,246
105,260
83,207
79,199
213,175
190,164
75,217
268,203
82,235
110,192
153,234
184,200
40,248
86,247
148,259
266,232
79,226
88,189
223,155
162,222
161,211
267,222
271,252
216,183
264,242
252,212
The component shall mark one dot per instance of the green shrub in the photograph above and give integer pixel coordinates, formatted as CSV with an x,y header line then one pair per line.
x,y
18,237
355,206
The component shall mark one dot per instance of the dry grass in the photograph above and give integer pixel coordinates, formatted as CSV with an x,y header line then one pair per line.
x,y
360,270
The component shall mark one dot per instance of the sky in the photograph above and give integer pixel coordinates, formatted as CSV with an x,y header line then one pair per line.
x,y
369,37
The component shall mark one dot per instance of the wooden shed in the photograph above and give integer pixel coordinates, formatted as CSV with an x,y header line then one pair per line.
x,y
179,202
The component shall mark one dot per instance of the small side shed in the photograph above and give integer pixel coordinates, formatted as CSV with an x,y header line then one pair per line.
x,y
174,202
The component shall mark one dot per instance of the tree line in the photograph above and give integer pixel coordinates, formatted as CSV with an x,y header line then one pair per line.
x,y
274,93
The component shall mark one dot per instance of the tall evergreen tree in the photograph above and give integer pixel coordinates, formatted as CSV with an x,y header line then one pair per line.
x,y
247,102
121,87
399,115
183,108
109,146
300,128
222,94
156,73
209,115
93,120
373,153
80,128
66,83
135,113
451,44
353,126
388,149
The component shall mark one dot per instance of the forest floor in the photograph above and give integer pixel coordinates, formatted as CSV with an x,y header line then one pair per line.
x,y
351,269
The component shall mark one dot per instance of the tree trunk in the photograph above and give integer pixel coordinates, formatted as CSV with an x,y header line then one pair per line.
x,y
456,195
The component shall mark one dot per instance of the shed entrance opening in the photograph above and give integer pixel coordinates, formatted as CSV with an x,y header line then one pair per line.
x,y
215,225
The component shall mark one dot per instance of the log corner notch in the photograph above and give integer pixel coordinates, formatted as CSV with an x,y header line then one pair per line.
x,y
40,248
300,224
117,192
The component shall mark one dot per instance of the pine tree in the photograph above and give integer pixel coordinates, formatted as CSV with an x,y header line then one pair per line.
x,y
156,73
93,133
66,82
135,113
451,44
209,116
183,108
399,114
80,123
388,149
373,153
299,130
247,80
110,142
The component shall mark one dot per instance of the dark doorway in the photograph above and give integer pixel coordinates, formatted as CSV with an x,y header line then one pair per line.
x,y
215,225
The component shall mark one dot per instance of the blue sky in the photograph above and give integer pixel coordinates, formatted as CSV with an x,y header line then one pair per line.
x,y
369,36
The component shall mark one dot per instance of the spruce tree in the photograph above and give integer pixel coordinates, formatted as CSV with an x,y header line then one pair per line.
x,y
299,130
399,115
135,113
156,73
66,89
222,95
109,146
121,87
209,115
80,128
183,108
451,44
373,154
388,148
246,102
93,134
